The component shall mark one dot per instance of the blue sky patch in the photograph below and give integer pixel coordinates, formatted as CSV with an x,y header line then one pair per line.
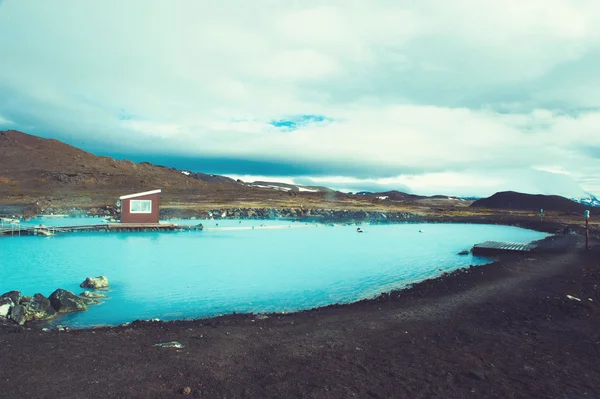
x,y
298,121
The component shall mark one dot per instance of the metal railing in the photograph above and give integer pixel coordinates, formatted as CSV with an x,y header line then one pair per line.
x,y
9,226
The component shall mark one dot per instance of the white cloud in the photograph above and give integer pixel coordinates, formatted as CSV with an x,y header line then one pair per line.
x,y
162,130
5,122
416,90
299,65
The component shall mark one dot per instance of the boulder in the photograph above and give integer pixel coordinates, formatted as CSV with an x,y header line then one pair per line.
x,y
39,308
5,305
64,301
15,296
18,315
25,300
465,252
95,282
92,295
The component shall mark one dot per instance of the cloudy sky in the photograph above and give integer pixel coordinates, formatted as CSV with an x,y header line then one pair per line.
x,y
462,97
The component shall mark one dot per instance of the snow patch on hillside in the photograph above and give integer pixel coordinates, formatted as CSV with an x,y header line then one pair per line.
x,y
308,190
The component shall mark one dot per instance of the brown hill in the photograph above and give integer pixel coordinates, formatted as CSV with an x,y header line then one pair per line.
x,y
529,202
35,169
34,163
49,174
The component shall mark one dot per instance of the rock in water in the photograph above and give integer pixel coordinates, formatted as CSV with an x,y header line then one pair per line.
x,y
465,252
64,301
5,305
18,315
95,282
15,296
92,295
39,308
25,300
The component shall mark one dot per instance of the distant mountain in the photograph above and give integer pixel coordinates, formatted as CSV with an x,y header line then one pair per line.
x,y
529,202
395,195
288,187
211,178
399,196
591,201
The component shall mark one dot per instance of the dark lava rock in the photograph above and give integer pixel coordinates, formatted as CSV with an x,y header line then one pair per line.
x,y
465,252
64,301
37,307
25,299
40,308
18,315
15,296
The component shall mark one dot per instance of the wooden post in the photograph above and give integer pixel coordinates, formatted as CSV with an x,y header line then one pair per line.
x,y
587,235
587,230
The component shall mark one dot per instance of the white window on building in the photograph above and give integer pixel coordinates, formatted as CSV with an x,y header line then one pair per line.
x,y
140,206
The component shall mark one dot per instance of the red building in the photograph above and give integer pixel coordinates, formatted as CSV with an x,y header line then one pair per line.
x,y
140,207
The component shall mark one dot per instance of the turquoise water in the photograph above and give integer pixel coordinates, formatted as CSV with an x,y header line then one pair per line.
x,y
205,273
85,221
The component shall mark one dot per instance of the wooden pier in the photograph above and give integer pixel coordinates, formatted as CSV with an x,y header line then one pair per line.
x,y
498,247
18,229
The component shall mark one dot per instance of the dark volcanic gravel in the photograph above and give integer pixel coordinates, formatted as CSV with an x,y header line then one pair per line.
x,y
506,330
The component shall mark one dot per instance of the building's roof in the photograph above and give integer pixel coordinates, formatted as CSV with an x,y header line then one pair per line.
x,y
140,194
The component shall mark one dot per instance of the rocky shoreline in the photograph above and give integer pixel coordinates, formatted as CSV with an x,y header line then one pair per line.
x,y
303,214
20,309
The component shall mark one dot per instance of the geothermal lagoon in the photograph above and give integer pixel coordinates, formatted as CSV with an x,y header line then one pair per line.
x,y
277,266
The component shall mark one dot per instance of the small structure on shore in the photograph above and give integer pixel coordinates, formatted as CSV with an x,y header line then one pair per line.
x,y
140,207
490,248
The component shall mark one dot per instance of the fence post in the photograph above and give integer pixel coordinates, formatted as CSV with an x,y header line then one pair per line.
x,y
586,214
